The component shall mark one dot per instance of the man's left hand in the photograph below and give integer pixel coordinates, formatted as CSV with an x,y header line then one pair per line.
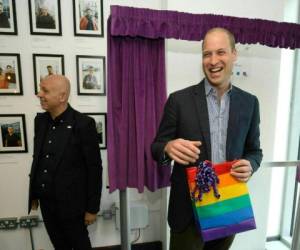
x,y
89,218
242,170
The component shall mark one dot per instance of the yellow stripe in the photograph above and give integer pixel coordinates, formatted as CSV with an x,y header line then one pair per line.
x,y
226,193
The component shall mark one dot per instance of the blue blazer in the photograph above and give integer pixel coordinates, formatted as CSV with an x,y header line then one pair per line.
x,y
186,116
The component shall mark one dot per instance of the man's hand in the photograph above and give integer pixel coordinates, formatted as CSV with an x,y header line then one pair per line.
x,y
34,204
89,218
242,170
183,151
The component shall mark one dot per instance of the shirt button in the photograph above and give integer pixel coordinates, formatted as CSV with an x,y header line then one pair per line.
x,y
50,141
45,171
43,185
47,156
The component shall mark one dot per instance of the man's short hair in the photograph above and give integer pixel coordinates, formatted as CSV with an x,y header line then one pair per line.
x,y
228,32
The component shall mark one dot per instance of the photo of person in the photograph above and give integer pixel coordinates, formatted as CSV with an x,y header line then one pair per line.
x,y
88,17
88,21
12,138
4,20
10,79
49,70
3,80
8,17
46,65
12,133
91,75
45,17
100,120
90,80
99,128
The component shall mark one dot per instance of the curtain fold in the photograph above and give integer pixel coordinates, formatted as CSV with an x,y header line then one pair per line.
x,y
148,23
136,96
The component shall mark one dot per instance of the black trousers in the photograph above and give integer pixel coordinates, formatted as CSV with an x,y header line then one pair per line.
x,y
64,233
190,239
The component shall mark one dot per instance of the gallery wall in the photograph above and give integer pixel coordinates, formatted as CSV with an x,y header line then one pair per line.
x,y
15,167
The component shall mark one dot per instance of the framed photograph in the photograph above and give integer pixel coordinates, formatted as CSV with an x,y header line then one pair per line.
x,y
88,18
45,65
100,119
45,17
10,74
13,133
8,20
91,75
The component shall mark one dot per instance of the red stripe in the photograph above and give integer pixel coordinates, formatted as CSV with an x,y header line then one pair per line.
x,y
220,168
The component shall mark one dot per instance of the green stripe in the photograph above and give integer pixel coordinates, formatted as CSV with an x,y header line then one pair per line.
x,y
223,206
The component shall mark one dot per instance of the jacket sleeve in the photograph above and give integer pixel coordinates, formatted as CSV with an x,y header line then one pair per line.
x,y
93,162
252,151
166,132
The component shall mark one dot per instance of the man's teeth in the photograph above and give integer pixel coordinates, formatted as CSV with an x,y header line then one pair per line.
x,y
215,70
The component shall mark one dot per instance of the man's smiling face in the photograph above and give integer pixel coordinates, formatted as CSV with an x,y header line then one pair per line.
x,y
218,58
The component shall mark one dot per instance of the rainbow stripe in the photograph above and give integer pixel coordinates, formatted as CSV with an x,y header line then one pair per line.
x,y
230,214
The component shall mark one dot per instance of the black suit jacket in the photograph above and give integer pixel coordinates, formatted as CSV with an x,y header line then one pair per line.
x,y
77,181
186,116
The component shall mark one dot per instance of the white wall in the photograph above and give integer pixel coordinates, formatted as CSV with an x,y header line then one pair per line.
x,y
263,68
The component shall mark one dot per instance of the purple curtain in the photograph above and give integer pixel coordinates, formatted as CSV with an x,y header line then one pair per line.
x,y
128,21
137,84
136,96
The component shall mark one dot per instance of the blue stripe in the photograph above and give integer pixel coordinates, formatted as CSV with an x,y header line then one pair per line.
x,y
230,218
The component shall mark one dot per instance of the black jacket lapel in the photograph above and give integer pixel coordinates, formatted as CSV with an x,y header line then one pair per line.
x,y
202,114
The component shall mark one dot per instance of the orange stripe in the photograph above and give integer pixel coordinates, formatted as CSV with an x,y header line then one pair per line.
x,y
226,180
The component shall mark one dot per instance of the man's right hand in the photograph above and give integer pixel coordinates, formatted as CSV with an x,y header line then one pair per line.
x,y
34,204
183,151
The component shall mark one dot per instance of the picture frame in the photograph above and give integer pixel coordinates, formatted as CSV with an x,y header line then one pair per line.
x,y
45,17
91,75
8,18
101,127
13,137
88,18
10,74
46,64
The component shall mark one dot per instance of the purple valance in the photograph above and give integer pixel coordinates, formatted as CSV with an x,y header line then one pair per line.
x,y
148,23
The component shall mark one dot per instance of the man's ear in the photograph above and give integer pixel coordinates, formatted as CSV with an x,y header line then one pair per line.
x,y
235,54
63,97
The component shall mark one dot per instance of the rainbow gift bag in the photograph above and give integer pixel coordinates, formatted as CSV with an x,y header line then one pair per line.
x,y
221,204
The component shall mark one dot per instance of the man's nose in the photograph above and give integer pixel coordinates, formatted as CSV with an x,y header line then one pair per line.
x,y
214,59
